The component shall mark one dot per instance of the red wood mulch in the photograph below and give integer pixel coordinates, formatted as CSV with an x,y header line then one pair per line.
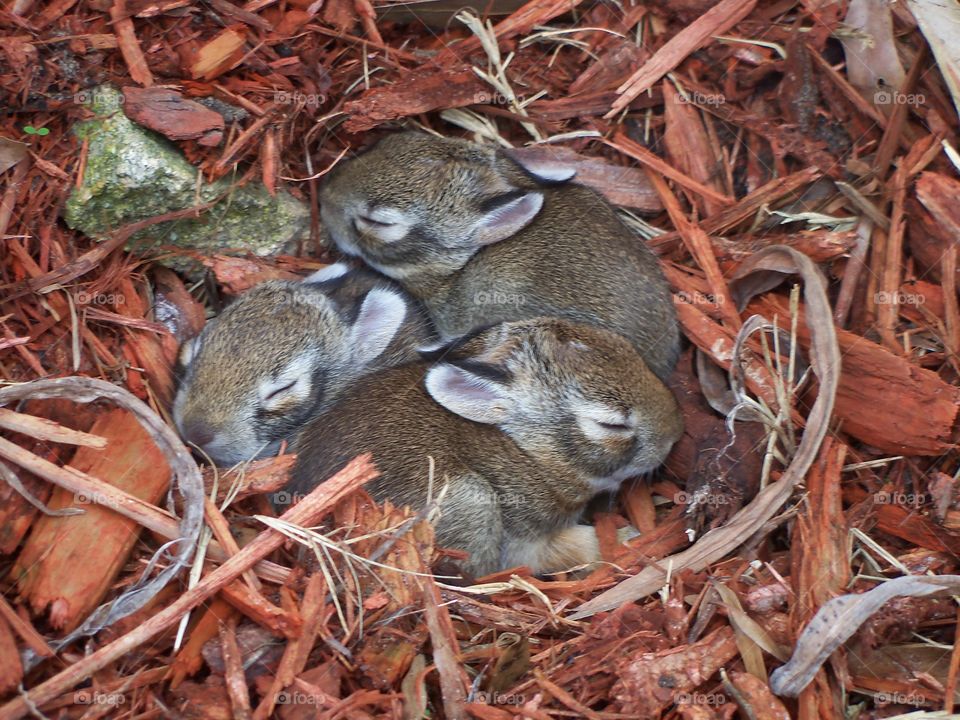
x,y
703,120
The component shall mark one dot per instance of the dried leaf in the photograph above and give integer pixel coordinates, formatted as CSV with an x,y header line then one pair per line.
x,y
871,51
939,21
715,21
11,152
840,618
770,265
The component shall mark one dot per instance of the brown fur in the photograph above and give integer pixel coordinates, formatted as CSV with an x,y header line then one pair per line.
x,y
254,339
575,259
516,488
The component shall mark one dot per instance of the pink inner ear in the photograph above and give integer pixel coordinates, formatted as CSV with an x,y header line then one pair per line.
x,y
508,219
540,163
465,394
466,388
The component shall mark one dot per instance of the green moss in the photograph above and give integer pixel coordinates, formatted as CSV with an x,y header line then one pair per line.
x,y
133,174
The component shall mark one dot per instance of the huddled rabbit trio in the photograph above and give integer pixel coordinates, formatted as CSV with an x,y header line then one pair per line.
x,y
509,326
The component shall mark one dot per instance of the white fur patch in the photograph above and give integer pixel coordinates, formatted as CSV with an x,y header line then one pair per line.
x,y
330,272
591,417
380,318
296,375
388,225
553,172
431,347
388,216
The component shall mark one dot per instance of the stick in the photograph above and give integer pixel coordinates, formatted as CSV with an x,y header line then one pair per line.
x,y
306,512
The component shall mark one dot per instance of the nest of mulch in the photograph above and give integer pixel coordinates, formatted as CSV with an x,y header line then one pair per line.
x,y
794,166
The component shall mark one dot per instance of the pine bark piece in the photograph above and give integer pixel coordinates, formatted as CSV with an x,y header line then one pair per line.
x,y
11,669
262,611
308,511
885,400
153,352
821,568
890,272
418,92
716,21
189,660
688,146
219,54
650,683
758,698
16,514
129,44
237,689
69,563
298,649
628,147
903,522
446,650
24,629
771,195
169,113
43,429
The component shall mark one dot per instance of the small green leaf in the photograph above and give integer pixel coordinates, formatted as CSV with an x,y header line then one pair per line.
x,y
30,130
43,131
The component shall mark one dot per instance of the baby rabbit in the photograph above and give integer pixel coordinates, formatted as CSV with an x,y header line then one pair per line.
x,y
481,238
526,421
284,351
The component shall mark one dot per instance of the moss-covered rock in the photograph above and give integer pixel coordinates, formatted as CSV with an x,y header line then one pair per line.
x,y
133,174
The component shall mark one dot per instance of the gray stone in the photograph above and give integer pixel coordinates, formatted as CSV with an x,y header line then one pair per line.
x,y
133,174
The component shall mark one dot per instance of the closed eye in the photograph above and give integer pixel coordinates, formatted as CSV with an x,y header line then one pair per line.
x,y
277,392
363,222
615,427
386,224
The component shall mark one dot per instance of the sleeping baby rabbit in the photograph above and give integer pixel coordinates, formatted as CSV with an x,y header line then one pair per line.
x,y
526,421
284,351
481,238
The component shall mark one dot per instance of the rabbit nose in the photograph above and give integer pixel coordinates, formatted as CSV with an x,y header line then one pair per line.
x,y
199,434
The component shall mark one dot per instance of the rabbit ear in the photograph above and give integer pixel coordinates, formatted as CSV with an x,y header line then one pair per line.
x,y
506,216
330,272
378,322
188,350
469,394
543,167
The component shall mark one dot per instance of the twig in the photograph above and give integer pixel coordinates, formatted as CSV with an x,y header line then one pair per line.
x,y
185,472
306,512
